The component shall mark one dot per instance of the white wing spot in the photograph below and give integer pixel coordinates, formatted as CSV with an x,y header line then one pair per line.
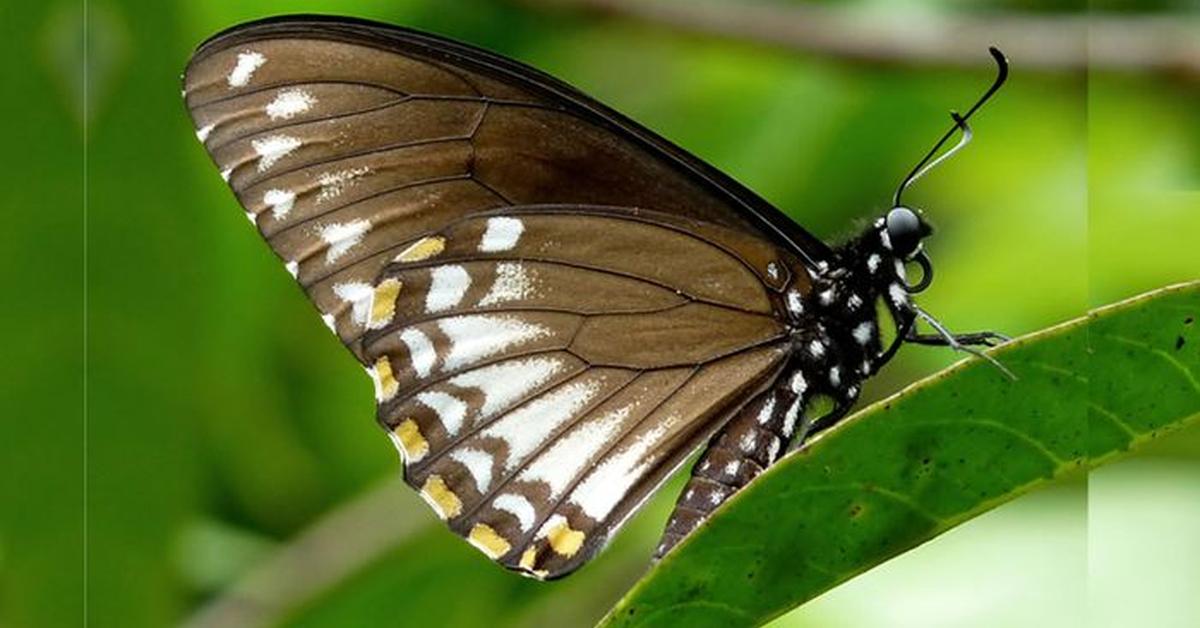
x,y
247,63
342,236
604,487
293,268
816,348
358,294
569,455
273,148
202,132
334,183
518,507
280,201
478,464
447,286
290,103
898,295
835,377
420,351
474,338
450,410
527,427
330,322
502,384
502,234
827,296
873,262
226,173
512,283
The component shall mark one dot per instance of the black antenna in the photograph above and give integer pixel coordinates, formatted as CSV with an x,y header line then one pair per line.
x,y
960,122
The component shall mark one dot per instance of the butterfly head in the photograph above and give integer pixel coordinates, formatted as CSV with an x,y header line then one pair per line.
x,y
903,231
899,235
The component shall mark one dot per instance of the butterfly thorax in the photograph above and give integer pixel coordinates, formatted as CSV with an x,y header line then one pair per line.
x,y
836,325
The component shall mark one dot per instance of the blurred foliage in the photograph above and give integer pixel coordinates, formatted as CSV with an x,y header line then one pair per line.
x,y
223,419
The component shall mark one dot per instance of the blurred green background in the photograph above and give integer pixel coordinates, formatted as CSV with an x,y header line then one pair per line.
x,y
234,473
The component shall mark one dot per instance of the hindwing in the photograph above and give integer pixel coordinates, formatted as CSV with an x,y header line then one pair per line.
x,y
540,384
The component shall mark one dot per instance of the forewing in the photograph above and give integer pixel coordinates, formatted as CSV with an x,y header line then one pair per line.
x,y
342,139
540,385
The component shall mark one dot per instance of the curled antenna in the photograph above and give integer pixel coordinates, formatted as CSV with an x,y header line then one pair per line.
x,y
960,123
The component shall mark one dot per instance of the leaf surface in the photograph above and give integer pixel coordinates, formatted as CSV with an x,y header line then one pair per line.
x,y
946,449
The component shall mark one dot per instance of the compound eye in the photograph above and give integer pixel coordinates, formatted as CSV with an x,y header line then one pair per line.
x,y
904,230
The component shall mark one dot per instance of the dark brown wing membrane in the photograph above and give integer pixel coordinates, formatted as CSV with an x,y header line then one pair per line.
x,y
343,138
540,384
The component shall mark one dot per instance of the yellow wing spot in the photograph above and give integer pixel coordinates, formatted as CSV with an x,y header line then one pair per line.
x,y
385,381
411,442
528,558
563,539
441,498
488,541
422,249
383,303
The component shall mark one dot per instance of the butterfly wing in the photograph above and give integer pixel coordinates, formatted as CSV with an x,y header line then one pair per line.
x,y
548,367
544,354
343,138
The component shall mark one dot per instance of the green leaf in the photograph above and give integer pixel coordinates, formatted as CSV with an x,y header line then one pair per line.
x,y
944,450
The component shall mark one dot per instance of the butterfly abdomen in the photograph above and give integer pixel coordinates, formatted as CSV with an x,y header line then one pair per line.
x,y
749,443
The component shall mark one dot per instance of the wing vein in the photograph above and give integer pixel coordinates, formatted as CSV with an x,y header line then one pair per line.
x,y
508,310
541,260
354,155
398,188
294,123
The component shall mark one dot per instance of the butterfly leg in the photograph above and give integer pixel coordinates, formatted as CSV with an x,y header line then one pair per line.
x,y
982,338
951,340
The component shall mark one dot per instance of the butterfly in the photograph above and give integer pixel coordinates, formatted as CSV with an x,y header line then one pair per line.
x,y
557,306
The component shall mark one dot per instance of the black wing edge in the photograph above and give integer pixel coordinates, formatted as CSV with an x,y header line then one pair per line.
x,y
760,212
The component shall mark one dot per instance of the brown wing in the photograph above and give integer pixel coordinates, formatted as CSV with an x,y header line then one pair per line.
x,y
544,354
343,138
542,370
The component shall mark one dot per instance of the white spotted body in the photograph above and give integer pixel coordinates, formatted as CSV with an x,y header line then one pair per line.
x,y
836,340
